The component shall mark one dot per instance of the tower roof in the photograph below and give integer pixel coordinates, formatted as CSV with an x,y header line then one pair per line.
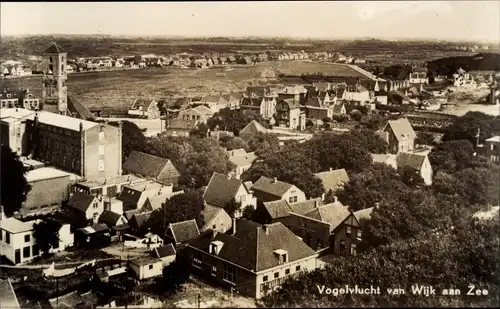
x,y
54,49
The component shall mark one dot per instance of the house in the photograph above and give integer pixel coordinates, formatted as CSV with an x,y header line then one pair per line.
x,y
380,93
216,219
430,104
151,167
17,242
493,148
418,76
330,227
399,135
463,79
215,102
112,219
222,189
254,259
270,189
296,92
357,93
417,161
155,202
49,190
251,130
318,109
144,109
134,196
146,267
398,97
74,300
110,187
166,254
364,214
93,236
242,160
86,208
333,180
266,106
179,127
288,115
182,232
199,113
8,298
279,210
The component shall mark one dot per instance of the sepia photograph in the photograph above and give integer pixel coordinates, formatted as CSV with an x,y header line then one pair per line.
x,y
249,154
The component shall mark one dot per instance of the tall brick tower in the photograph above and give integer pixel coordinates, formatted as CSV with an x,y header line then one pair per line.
x,y
55,90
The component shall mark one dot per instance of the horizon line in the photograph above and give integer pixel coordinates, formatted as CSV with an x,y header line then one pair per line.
x,y
297,38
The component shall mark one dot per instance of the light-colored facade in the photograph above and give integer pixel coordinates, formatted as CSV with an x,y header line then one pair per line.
x,y
145,268
13,130
54,83
493,148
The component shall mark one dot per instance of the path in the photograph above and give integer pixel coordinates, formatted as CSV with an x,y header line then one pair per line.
x,y
40,266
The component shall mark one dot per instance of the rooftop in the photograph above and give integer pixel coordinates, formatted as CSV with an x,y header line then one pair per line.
x,y
333,179
64,121
112,181
494,139
184,231
271,186
44,173
221,189
15,226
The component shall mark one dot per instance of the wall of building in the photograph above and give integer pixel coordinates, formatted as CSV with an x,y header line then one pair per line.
x,y
340,235
144,272
221,223
46,193
314,233
102,152
294,191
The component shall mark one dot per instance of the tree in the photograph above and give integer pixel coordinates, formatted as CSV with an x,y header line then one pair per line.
x,y
264,143
182,207
425,138
467,126
372,142
410,176
376,184
200,131
451,156
177,273
233,208
249,213
46,234
132,138
356,114
234,120
234,142
14,185
289,165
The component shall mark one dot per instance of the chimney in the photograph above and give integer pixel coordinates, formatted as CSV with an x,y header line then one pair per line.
x,y
234,227
265,227
331,169
335,199
316,203
323,195
275,180
214,233
2,214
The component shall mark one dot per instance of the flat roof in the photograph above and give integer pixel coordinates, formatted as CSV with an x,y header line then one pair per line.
x,y
15,226
10,115
122,179
64,121
44,173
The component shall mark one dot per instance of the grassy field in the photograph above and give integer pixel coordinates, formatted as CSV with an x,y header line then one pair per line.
x,y
119,89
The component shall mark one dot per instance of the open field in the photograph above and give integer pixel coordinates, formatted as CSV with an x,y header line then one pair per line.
x,y
465,100
119,89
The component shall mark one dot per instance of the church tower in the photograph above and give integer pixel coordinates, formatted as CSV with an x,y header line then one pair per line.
x,y
54,86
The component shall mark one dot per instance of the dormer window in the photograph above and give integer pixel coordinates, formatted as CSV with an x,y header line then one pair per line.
x,y
215,247
282,256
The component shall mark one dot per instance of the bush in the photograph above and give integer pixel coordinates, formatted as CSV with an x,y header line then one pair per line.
x,y
340,117
356,114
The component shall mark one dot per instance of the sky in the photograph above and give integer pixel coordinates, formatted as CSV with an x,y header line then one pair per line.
x,y
442,20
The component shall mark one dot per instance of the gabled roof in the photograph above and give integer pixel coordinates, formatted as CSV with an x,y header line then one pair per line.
x,y
54,49
70,300
253,128
8,298
252,246
99,227
243,160
332,214
144,164
164,251
315,102
202,109
184,231
291,103
271,186
78,110
401,128
255,102
109,218
81,201
364,214
210,212
221,189
380,157
144,103
141,219
236,152
333,179
258,91
412,160
281,208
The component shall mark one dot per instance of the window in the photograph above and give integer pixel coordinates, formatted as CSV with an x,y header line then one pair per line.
x,y
264,278
214,271
7,237
297,268
35,250
358,234
95,215
242,198
348,230
26,252
101,135
150,266
1,235
276,274
320,243
196,259
101,165
214,226
287,271
27,238
353,249
342,248
292,199
282,258
101,150
95,205
229,273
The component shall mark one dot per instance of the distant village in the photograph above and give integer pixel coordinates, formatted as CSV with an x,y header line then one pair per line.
x,y
78,177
